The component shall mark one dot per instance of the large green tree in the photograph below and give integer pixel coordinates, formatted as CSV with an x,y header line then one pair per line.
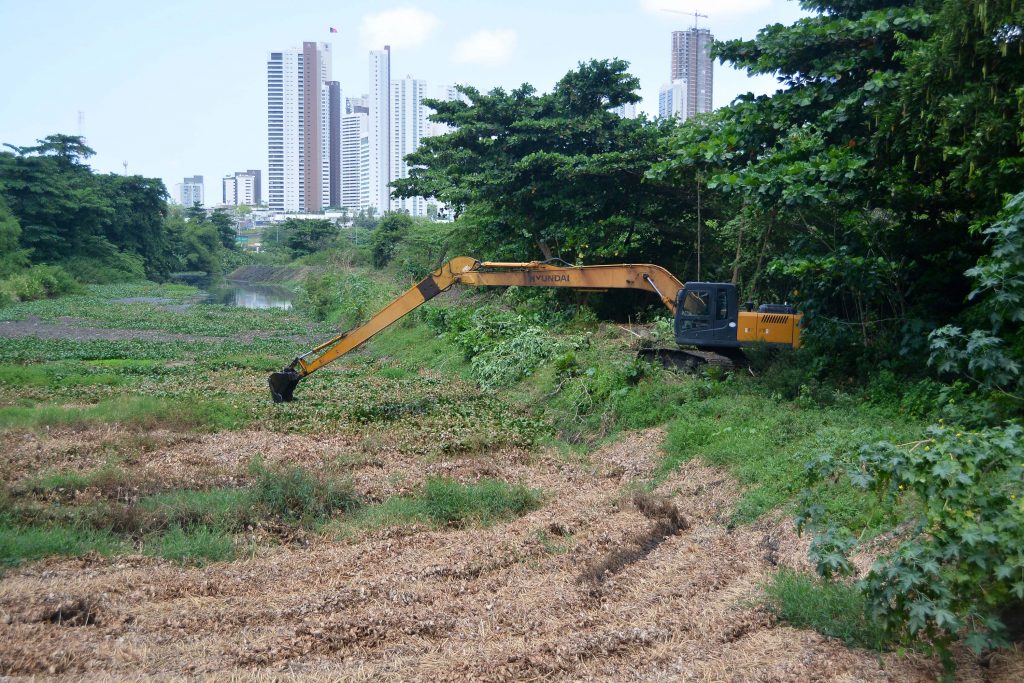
x,y
899,128
555,174
70,215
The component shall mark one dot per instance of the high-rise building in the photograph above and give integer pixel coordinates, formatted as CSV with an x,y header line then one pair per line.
x,y
409,126
240,189
192,191
355,105
335,113
298,128
355,166
626,110
257,192
691,62
672,100
379,132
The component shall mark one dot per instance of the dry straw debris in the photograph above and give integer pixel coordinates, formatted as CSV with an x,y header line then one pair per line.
x,y
678,600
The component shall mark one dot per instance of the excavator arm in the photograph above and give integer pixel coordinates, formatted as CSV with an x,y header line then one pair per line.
x,y
469,271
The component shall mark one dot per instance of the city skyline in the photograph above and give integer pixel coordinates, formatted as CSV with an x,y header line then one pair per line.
x,y
123,93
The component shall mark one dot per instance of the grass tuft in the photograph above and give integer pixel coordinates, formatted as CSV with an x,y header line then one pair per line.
x,y
193,546
833,609
294,495
25,543
446,502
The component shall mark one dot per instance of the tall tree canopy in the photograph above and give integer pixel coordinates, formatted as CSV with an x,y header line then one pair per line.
x,y
897,135
68,214
554,174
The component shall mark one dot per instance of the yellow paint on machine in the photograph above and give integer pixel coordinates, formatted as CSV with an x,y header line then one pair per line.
x,y
770,328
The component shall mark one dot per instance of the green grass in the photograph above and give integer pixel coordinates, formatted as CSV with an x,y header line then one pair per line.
x,y
138,411
445,502
26,543
56,375
106,477
197,545
412,346
223,509
766,445
294,495
837,610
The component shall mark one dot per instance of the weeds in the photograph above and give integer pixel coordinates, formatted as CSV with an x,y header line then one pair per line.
x,y
294,495
833,609
445,502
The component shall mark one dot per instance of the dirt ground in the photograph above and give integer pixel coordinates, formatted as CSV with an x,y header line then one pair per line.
x,y
592,586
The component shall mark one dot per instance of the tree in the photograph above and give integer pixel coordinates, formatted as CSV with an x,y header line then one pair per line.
x,y
12,257
366,218
304,237
897,131
390,231
555,174
225,228
70,215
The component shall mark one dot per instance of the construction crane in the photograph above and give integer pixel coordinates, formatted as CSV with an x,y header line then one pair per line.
x,y
696,15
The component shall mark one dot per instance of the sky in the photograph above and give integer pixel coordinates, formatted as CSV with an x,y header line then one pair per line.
x,y
178,88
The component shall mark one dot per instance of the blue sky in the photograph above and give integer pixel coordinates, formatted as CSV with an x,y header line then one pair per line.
x,y
178,88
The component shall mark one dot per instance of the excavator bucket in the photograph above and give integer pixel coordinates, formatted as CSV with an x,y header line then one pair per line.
x,y
282,384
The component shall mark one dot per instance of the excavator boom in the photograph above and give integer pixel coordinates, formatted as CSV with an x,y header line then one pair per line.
x,y
469,271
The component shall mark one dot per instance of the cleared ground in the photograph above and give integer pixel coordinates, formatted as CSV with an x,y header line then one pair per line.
x,y
599,582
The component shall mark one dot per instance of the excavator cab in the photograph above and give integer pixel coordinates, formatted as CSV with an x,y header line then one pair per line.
x,y
706,315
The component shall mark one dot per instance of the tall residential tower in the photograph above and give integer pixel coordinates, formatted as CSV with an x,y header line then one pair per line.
x,y
298,128
691,63
379,131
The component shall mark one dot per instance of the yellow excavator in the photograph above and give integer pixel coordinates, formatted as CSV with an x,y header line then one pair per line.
x,y
707,315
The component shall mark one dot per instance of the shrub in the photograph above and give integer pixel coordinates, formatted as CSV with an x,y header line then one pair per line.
x,y
961,565
37,282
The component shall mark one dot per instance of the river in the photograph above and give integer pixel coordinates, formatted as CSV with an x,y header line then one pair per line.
x,y
249,295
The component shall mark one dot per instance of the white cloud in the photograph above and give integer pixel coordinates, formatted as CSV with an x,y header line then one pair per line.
x,y
679,8
400,27
487,48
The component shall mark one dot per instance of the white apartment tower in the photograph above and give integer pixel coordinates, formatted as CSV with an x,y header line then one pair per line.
x,y
192,191
379,129
298,128
239,189
691,62
355,171
673,101
409,126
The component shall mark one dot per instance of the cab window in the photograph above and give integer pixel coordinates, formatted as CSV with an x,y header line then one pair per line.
x,y
722,309
696,302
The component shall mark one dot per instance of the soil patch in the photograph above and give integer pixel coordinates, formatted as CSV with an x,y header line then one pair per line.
x,y
496,603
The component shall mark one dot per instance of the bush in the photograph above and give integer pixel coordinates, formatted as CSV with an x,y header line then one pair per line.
x,y
37,282
961,565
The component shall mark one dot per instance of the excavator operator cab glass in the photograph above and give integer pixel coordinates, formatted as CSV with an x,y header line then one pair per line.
x,y
694,309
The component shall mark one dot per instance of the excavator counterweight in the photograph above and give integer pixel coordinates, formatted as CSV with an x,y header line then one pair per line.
x,y
706,314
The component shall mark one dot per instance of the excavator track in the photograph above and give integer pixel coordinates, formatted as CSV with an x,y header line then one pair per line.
x,y
691,360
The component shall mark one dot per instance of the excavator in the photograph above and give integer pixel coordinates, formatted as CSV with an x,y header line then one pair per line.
x,y
707,315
